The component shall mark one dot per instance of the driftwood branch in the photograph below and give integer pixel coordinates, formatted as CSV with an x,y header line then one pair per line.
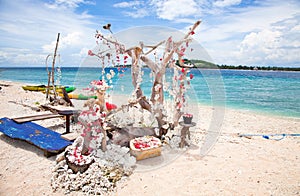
x,y
192,29
154,47
53,63
109,40
37,109
122,107
152,65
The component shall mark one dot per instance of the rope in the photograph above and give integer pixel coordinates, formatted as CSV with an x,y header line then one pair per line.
x,y
270,136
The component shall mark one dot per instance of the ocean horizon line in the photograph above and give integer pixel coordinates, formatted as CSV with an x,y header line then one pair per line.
x,y
280,68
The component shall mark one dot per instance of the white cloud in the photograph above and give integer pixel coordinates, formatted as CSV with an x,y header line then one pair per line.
x,y
70,40
139,13
67,4
134,9
228,36
227,31
261,46
172,9
225,3
277,45
21,57
126,4
34,27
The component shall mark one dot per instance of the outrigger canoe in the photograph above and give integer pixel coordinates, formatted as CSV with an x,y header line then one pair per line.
x,y
43,88
81,96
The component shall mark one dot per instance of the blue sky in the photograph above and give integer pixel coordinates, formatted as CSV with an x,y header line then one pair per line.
x,y
233,32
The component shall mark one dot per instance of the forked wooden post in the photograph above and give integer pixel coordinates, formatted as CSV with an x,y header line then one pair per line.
x,y
53,64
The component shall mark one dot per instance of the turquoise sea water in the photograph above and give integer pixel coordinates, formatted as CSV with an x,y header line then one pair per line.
x,y
264,91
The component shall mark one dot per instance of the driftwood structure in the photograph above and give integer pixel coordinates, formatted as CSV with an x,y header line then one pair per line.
x,y
172,57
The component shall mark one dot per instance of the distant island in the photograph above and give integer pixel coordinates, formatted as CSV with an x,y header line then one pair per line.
x,y
201,64
208,65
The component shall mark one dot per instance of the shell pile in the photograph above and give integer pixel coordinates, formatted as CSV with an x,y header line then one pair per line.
x,y
100,178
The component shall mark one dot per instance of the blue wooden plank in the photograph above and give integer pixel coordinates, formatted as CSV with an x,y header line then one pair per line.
x,y
42,137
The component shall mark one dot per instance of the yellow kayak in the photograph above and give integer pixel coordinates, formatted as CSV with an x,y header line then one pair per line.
x,y
43,88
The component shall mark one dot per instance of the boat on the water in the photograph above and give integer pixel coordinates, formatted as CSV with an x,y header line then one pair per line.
x,y
43,88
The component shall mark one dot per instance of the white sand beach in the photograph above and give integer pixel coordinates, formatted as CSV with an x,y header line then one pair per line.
x,y
234,166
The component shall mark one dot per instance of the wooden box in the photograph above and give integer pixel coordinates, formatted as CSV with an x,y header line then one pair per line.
x,y
141,154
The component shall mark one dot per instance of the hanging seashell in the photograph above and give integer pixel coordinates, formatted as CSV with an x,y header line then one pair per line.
x,y
107,27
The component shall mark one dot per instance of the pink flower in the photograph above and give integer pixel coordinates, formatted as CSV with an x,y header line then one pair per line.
x,y
110,106
191,76
192,32
90,53
188,115
179,105
180,77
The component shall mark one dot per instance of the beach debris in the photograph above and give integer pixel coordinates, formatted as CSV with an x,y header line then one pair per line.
x,y
34,108
59,101
5,85
275,137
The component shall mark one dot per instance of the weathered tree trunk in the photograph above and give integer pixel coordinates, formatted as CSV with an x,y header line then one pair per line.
x,y
100,101
125,134
135,71
104,141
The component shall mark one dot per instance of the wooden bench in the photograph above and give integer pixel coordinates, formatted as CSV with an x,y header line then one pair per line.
x,y
36,117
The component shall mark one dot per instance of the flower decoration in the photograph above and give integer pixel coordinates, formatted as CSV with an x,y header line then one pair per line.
x,y
191,76
90,53
74,156
187,118
99,85
187,115
146,143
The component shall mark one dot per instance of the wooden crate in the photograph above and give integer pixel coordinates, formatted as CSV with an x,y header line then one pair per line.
x,y
144,154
